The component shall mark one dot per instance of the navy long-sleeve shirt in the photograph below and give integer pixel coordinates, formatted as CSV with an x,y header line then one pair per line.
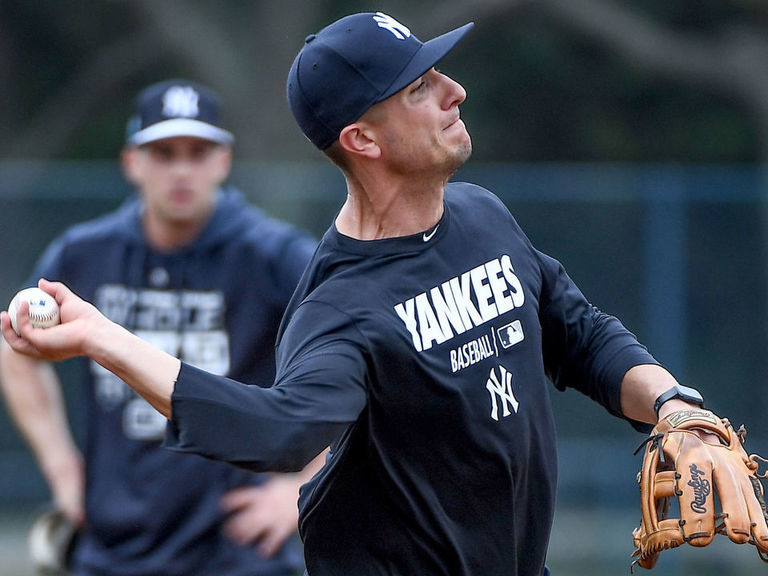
x,y
424,361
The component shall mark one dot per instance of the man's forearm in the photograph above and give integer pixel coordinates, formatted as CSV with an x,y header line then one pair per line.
x,y
639,389
149,371
33,397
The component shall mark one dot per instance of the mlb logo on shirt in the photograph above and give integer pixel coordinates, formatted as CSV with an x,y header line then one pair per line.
x,y
511,334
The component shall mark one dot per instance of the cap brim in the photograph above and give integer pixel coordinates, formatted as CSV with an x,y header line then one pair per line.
x,y
177,127
430,53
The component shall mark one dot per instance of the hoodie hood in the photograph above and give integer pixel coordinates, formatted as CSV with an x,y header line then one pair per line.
x,y
146,266
229,219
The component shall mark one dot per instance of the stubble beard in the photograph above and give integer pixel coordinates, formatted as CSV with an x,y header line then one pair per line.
x,y
459,157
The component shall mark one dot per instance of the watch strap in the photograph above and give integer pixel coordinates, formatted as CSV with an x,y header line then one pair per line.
x,y
694,397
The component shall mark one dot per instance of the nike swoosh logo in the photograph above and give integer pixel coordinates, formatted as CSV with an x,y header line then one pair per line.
x,y
428,237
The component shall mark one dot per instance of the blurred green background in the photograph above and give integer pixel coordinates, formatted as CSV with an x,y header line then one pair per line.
x,y
628,138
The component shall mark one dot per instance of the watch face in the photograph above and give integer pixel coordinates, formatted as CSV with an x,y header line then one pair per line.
x,y
683,392
687,393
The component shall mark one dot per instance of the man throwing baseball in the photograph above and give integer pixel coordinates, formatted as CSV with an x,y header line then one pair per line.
x,y
169,266
420,342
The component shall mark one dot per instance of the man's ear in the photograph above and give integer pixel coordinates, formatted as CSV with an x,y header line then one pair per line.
x,y
224,163
359,140
128,162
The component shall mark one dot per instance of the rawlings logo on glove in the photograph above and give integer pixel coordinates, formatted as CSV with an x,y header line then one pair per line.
x,y
678,465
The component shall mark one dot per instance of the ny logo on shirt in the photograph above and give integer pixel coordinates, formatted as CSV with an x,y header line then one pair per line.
x,y
500,388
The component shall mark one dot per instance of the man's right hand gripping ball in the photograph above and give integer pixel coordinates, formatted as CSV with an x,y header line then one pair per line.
x,y
678,466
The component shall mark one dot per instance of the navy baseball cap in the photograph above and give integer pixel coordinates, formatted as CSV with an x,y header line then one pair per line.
x,y
176,108
354,63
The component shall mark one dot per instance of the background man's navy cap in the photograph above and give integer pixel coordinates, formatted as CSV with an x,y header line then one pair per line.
x,y
354,63
176,108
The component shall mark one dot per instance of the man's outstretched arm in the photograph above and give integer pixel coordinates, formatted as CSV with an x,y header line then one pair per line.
x,y
84,331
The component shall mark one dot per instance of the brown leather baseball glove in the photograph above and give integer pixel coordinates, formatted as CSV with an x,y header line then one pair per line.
x,y
679,478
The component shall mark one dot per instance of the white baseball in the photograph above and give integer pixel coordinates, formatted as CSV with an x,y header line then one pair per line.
x,y
43,308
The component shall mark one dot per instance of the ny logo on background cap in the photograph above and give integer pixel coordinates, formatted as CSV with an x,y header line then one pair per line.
x,y
399,31
176,108
181,101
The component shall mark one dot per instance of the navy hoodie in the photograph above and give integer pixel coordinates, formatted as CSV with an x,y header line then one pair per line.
x,y
215,304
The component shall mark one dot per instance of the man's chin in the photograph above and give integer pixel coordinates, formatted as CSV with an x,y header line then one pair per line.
x,y
460,156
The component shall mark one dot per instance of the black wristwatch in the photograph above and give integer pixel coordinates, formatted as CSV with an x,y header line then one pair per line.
x,y
690,395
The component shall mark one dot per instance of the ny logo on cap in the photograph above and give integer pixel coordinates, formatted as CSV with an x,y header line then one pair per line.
x,y
180,101
388,23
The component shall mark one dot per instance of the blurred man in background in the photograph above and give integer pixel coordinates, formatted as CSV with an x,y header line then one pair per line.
x,y
169,265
